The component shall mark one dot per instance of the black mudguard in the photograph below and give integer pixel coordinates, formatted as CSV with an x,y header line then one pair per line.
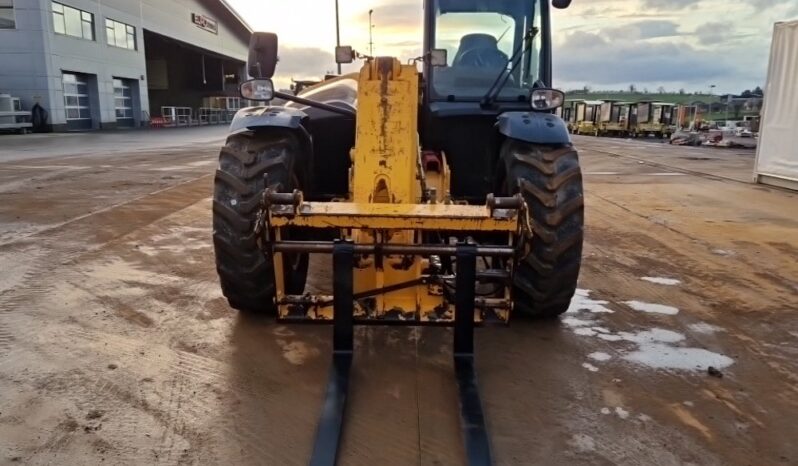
x,y
252,118
532,127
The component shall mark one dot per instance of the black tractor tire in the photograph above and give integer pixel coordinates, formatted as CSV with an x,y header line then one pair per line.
x,y
246,271
550,180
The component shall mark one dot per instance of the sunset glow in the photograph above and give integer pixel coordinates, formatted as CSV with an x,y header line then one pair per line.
x,y
604,44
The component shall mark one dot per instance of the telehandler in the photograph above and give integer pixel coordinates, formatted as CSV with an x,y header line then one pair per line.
x,y
447,197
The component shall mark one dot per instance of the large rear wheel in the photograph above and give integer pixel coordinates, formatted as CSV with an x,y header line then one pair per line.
x,y
550,179
246,271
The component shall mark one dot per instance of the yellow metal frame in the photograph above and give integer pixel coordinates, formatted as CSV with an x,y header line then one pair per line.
x,y
398,217
392,200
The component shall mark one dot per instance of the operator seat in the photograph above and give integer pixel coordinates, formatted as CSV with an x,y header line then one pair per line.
x,y
480,50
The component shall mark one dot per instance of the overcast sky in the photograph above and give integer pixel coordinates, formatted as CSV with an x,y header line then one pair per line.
x,y
605,44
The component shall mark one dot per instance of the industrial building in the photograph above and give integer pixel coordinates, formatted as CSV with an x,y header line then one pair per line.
x,y
97,64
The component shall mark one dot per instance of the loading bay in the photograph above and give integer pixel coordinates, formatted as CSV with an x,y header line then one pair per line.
x,y
116,344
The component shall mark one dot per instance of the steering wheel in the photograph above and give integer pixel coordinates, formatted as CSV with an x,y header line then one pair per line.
x,y
484,58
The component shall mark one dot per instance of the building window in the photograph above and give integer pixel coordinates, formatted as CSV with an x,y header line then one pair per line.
x,y
120,34
7,14
72,22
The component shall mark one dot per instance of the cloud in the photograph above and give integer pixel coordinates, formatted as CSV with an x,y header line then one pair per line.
x,y
669,4
646,29
404,16
596,59
302,63
676,43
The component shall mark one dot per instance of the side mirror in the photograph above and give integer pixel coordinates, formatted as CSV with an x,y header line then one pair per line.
x,y
262,59
561,4
344,54
259,90
438,57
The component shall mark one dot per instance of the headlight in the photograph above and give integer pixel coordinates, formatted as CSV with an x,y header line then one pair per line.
x,y
543,100
258,89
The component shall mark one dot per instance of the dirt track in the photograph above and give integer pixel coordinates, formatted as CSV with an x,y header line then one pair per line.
x,y
116,345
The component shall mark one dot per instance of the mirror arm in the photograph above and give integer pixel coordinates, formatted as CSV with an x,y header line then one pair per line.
x,y
319,105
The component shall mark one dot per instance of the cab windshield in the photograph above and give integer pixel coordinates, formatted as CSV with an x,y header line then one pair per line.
x,y
480,37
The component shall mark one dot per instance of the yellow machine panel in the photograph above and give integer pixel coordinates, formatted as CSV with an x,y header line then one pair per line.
x,y
395,197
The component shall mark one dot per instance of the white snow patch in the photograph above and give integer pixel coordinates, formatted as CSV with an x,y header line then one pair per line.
x,y
703,327
599,356
609,337
590,367
605,411
688,403
602,329
654,335
583,443
622,413
574,322
652,308
656,349
201,163
661,356
662,280
585,332
582,302
644,417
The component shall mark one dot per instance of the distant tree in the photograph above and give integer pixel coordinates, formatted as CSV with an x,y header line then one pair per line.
x,y
645,90
682,91
747,94
586,89
632,88
661,90
758,92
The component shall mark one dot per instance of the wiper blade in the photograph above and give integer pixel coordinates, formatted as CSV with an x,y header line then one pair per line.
x,y
518,54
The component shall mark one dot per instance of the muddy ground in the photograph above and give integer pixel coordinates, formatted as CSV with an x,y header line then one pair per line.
x,y
116,345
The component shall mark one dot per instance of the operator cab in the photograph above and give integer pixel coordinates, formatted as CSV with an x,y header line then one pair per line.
x,y
486,42
496,53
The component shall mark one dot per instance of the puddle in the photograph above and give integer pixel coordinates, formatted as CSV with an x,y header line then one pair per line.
x,y
297,352
652,308
116,271
662,281
582,302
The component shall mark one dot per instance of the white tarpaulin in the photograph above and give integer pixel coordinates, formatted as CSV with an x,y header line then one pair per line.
x,y
777,153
